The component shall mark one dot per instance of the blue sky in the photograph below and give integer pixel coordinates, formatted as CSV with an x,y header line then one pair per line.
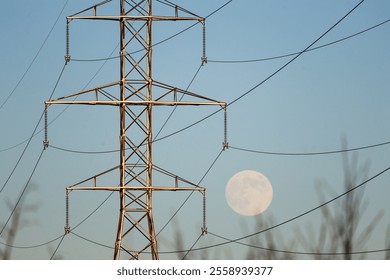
x,y
326,95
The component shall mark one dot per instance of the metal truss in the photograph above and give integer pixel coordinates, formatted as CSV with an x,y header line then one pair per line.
x,y
135,94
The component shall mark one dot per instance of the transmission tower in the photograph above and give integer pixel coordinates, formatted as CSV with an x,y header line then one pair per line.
x,y
135,94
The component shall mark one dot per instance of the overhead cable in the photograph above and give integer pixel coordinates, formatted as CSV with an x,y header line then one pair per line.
x,y
33,133
372,251
193,245
310,153
31,246
35,57
58,246
22,193
248,150
295,53
302,252
91,241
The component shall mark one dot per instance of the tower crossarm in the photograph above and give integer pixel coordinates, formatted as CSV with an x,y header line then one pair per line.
x,y
170,96
136,18
143,14
135,188
92,183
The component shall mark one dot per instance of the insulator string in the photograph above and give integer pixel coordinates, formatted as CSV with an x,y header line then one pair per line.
x,y
67,55
204,57
67,227
46,141
204,228
225,142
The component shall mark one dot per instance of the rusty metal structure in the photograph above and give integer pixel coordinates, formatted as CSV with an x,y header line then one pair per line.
x,y
135,95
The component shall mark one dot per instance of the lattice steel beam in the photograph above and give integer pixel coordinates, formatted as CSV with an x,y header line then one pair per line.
x,y
134,95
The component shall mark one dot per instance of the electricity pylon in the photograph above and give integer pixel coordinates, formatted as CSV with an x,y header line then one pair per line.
x,y
135,94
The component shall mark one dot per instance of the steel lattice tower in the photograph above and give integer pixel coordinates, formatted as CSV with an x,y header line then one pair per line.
x,y
135,94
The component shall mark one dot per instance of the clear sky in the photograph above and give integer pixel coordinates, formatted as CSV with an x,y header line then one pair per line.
x,y
339,91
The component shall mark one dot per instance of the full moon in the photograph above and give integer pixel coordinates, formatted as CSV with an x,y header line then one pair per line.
x,y
248,193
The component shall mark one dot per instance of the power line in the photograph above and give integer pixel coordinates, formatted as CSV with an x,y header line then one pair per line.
x,y
248,245
93,212
83,152
58,246
193,245
295,53
24,190
33,133
310,153
372,251
248,150
17,145
31,246
91,241
300,252
22,154
35,57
